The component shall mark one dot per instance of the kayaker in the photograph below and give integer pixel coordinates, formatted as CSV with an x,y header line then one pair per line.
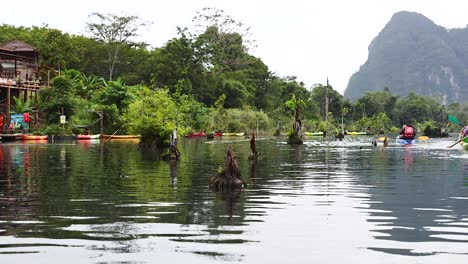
x,y
407,132
464,132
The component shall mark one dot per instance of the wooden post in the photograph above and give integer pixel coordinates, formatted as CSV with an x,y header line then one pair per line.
x,y
257,126
8,119
101,115
63,125
326,108
342,117
26,95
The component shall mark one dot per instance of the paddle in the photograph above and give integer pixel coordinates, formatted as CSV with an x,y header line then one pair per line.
x,y
111,136
454,120
458,141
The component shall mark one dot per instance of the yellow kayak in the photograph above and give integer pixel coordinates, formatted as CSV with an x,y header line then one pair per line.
x,y
233,134
313,133
352,133
121,136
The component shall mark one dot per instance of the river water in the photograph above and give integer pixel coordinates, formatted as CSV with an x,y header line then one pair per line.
x,y
321,202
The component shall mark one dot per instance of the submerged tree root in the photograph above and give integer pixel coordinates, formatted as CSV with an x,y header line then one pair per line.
x,y
229,177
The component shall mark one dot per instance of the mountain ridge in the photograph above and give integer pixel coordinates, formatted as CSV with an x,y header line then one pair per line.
x,y
414,55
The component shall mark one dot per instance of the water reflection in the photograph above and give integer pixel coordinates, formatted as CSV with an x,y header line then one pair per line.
x,y
408,157
19,191
173,167
230,198
415,204
253,170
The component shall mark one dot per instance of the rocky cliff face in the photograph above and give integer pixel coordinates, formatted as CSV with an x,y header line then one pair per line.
x,y
412,54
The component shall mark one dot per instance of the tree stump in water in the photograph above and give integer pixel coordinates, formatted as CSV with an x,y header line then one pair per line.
x,y
253,147
174,154
229,177
278,128
296,137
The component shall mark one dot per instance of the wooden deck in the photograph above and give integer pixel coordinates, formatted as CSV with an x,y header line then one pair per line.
x,y
10,137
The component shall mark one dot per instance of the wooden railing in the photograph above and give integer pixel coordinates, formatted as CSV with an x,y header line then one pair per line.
x,y
9,74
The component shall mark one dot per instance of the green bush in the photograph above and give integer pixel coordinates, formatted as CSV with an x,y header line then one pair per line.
x,y
53,129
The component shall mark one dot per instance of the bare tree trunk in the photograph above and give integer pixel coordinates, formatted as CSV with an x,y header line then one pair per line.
x,y
253,146
296,137
112,66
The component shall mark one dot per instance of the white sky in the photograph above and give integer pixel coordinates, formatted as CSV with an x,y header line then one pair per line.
x,y
309,39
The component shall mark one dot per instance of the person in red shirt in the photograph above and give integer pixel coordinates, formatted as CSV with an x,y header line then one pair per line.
x,y
407,132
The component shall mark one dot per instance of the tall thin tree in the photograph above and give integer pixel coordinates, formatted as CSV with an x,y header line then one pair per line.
x,y
114,31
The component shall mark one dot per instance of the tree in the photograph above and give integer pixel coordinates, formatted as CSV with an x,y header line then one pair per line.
x,y
56,100
296,137
220,41
335,99
210,16
378,102
379,123
236,94
21,106
90,56
153,116
114,31
56,49
173,62
415,108
118,93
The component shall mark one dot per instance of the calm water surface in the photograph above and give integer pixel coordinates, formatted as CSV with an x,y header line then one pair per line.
x,y
322,202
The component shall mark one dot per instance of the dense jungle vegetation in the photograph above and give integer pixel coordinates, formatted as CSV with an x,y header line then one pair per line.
x,y
203,79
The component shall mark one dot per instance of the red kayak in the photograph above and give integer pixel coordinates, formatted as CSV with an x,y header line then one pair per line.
x,y
95,136
196,134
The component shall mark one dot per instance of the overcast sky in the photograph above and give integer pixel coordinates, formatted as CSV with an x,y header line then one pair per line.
x,y
309,39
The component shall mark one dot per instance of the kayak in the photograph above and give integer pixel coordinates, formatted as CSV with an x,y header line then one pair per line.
x,y
88,137
312,134
356,133
215,134
405,141
196,134
33,137
234,134
121,136
464,143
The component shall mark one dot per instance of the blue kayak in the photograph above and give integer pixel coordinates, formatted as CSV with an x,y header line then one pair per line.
x,y
405,141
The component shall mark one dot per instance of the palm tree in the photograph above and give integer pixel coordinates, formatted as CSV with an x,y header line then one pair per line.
x,y
21,106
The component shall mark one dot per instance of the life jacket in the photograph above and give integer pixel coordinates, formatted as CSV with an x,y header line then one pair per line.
x,y
409,132
26,117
